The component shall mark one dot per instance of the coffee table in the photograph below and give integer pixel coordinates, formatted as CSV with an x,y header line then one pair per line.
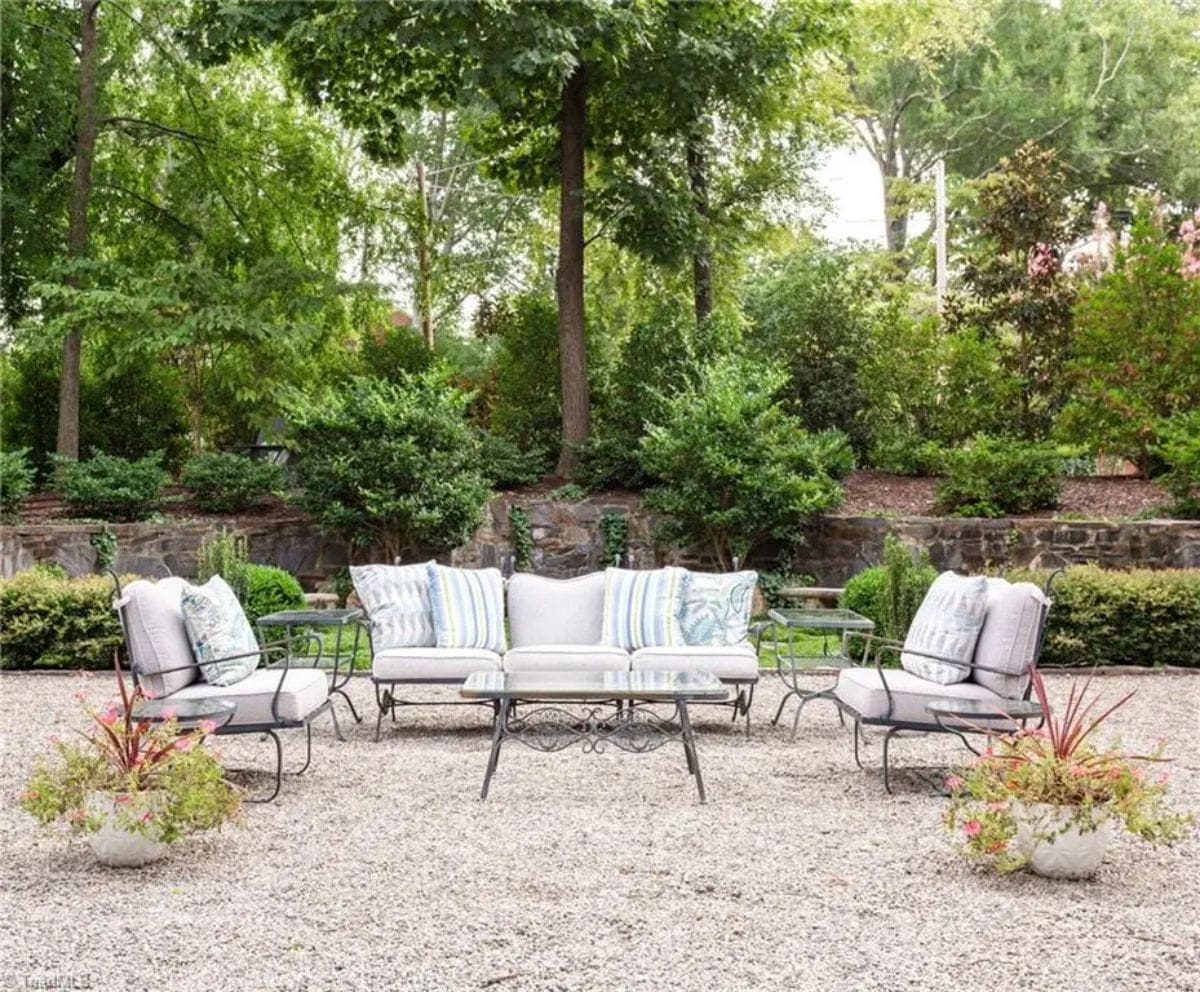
x,y
575,709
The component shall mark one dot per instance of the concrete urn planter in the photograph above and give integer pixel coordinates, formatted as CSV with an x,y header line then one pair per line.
x,y
115,845
1056,850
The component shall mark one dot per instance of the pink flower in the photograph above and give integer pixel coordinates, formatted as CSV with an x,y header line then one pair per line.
x,y
109,716
168,714
207,726
123,797
184,743
954,782
145,817
972,828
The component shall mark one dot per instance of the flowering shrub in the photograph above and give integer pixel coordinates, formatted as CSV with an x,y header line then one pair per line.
x,y
1058,765
1189,234
164,782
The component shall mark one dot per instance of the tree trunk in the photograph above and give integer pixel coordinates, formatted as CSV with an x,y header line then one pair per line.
x,y
895,213
77,239
697,165
424,288
572,345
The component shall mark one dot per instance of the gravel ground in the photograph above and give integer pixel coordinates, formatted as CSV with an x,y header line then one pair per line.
x,y
380,869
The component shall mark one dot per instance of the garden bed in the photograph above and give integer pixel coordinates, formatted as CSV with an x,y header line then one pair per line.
x,y
1097,498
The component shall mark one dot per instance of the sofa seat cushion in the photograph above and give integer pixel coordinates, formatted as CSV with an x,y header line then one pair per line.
x,y
158,639
566,658
304,690
1008,641
555,611
404,664
737,661
862,690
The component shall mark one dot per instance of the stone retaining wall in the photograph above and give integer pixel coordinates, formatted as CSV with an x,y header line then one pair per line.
x,y
567,542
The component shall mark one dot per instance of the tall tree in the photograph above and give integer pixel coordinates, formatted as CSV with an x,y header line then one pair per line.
x,y
87,115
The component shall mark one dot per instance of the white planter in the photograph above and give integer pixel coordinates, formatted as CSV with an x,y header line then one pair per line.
x,y
115,846
1057,853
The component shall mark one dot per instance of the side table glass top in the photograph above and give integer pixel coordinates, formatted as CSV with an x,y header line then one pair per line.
x,y
985,709
186,712
816,618
314,618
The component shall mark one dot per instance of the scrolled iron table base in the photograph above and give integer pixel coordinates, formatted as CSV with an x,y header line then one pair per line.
x,y
622,724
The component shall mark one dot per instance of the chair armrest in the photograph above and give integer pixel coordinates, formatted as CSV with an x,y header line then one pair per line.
x,y
970,666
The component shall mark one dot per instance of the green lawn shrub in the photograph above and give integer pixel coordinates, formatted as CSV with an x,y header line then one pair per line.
x,y
993,477
891,592
225,482
108,487
16,481
268,589
50,621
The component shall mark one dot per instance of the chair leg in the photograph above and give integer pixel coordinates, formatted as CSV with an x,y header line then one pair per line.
x,y
381,703
278,767
749,703
307,750
857,733
887,739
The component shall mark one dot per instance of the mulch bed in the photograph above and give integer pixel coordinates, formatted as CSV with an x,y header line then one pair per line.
x,y
868,492
48,508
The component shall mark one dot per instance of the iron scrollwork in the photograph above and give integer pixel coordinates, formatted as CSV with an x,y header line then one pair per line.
x,y
554,728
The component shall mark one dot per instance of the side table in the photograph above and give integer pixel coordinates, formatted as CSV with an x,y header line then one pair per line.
x,y
343,663
791,665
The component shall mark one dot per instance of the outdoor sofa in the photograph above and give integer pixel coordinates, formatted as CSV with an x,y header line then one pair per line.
x,y
553,625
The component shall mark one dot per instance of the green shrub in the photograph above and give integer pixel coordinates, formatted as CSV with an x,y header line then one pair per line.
x,y
1139,617
50,621
890,593
1180,451
568,493
521,531
109,487
528,403
267,589
226,554
394,352
773,581
224,482
614,538
16,481
993,477
393,466
505,464
737,470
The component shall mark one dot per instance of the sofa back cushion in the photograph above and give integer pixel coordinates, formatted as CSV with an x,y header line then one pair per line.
x,y
641,608
555,611
468,607
396,598
947,624
715,608
1009,638
219,630
156,636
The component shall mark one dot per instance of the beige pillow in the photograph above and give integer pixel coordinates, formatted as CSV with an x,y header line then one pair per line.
x,y
1009,638
947,625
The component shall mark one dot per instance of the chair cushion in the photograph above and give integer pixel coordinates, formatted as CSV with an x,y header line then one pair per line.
x,y
947,624
218,629
566,658
735,661
1009,638
555,611
641,607
715,609
396,598
401,664
468,607
304,690
862,690
157,637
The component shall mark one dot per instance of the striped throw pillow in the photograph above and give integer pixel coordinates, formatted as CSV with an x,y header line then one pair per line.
x,y
641,608
396,598
468,607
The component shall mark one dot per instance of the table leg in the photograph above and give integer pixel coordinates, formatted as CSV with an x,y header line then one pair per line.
x,y
689,747
497,738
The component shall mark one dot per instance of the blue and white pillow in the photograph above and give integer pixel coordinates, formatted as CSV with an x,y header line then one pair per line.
x,y
468,607
218,629
396,598
715,611
641,608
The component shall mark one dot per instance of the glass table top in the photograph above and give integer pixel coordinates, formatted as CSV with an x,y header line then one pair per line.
x,y
594,685
184,710
985,709
317,618
817,618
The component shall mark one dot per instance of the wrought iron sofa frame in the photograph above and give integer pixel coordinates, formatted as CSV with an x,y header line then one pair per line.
x,y
267,729
892,727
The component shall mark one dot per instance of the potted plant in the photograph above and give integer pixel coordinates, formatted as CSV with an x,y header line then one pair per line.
x,y
131,786
1049,799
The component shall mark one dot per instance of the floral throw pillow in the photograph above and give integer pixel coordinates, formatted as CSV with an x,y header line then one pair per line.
x,y
218,629
715,611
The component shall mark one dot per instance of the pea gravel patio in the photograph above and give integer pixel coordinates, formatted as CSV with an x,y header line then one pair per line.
x,y
381,869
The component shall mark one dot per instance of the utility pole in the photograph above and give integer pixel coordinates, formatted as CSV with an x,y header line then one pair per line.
x,y
424,292
939,233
